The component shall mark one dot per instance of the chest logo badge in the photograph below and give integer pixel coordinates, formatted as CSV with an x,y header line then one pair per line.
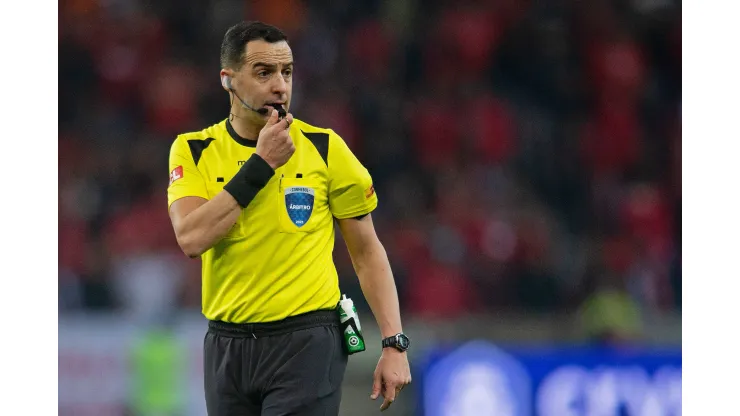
x,y
299,204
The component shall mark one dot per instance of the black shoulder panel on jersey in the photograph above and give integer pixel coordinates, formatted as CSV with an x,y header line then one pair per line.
x,y
197,147
321,142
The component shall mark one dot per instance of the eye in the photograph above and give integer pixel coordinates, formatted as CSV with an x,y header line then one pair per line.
x,y
288,72
262,74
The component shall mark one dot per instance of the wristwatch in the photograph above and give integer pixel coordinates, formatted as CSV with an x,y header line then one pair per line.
x,y
399,341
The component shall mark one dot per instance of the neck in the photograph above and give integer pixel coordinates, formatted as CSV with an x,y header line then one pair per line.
x,y
244,123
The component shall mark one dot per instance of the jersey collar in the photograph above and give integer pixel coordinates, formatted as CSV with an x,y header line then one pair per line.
x,y
237,138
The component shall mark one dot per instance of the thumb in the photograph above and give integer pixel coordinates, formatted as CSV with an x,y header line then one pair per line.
x,y
376,387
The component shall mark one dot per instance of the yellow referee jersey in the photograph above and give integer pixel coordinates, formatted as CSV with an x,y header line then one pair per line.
x,y
276,261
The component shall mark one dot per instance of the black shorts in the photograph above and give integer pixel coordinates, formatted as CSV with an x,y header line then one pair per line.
x,y
290,367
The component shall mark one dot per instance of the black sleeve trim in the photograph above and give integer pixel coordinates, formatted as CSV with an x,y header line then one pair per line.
x,y
197,147
321,142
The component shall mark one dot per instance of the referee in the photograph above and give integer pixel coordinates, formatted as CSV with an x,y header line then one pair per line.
x,y
256,197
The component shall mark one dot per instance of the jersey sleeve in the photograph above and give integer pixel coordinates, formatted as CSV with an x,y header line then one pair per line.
x,y
185,178
351,191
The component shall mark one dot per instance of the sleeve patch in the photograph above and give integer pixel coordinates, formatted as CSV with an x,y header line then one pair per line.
x,y
175,174
369,192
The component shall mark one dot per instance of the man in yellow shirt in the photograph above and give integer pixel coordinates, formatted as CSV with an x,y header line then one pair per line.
x,y
256,196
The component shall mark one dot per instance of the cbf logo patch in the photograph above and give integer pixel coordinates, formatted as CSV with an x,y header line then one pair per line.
x,y
299,203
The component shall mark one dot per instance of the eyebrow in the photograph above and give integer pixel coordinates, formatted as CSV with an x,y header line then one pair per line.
x,y
257,64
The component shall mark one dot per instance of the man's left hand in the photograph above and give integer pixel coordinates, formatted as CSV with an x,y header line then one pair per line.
x,y
391,375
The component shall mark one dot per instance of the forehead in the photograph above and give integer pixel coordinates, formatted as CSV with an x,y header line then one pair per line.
x,y
260,51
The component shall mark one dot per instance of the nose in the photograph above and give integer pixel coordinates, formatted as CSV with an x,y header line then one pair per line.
x,y
280,86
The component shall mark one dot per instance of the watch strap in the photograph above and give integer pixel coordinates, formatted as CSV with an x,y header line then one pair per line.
x,y
389,342
392,341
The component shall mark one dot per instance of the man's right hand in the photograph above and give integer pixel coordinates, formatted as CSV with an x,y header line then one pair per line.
x,y
274,144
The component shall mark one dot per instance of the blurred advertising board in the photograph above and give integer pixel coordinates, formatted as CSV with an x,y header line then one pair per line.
x,y
98,366
479,378
98,375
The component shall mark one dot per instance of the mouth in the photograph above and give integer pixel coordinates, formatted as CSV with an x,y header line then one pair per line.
x,y
279,107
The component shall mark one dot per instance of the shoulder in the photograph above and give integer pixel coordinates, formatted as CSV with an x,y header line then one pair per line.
x,y
331,146
319,134
309,128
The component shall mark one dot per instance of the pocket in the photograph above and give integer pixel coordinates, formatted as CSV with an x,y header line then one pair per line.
x,y
339,358
297,200
337,365
236,230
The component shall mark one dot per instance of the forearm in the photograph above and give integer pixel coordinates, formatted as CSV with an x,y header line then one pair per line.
x,y
379,288
203,227
208,224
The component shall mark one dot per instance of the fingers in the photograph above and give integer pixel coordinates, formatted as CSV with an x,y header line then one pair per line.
x,y
376,387
386,404
276,125
273,118
389,393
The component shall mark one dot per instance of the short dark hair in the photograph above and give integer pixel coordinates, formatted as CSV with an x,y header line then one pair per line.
x,y
237,37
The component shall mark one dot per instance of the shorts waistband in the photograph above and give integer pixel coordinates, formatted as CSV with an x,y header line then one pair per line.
x,y
287,325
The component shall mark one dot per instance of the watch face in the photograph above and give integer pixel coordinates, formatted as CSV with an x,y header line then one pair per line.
x,y
403,341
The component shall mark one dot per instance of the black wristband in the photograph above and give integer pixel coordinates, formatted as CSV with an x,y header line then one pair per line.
x,y
249,180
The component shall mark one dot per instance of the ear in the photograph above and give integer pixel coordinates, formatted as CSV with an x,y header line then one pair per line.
x,y
226,80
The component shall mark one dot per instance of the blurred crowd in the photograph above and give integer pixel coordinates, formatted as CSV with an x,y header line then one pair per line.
x,y
526,154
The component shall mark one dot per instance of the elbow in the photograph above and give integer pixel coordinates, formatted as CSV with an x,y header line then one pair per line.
x,y
190,246
192,252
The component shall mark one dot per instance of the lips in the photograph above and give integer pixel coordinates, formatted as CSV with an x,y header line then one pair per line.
x,y
277,106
